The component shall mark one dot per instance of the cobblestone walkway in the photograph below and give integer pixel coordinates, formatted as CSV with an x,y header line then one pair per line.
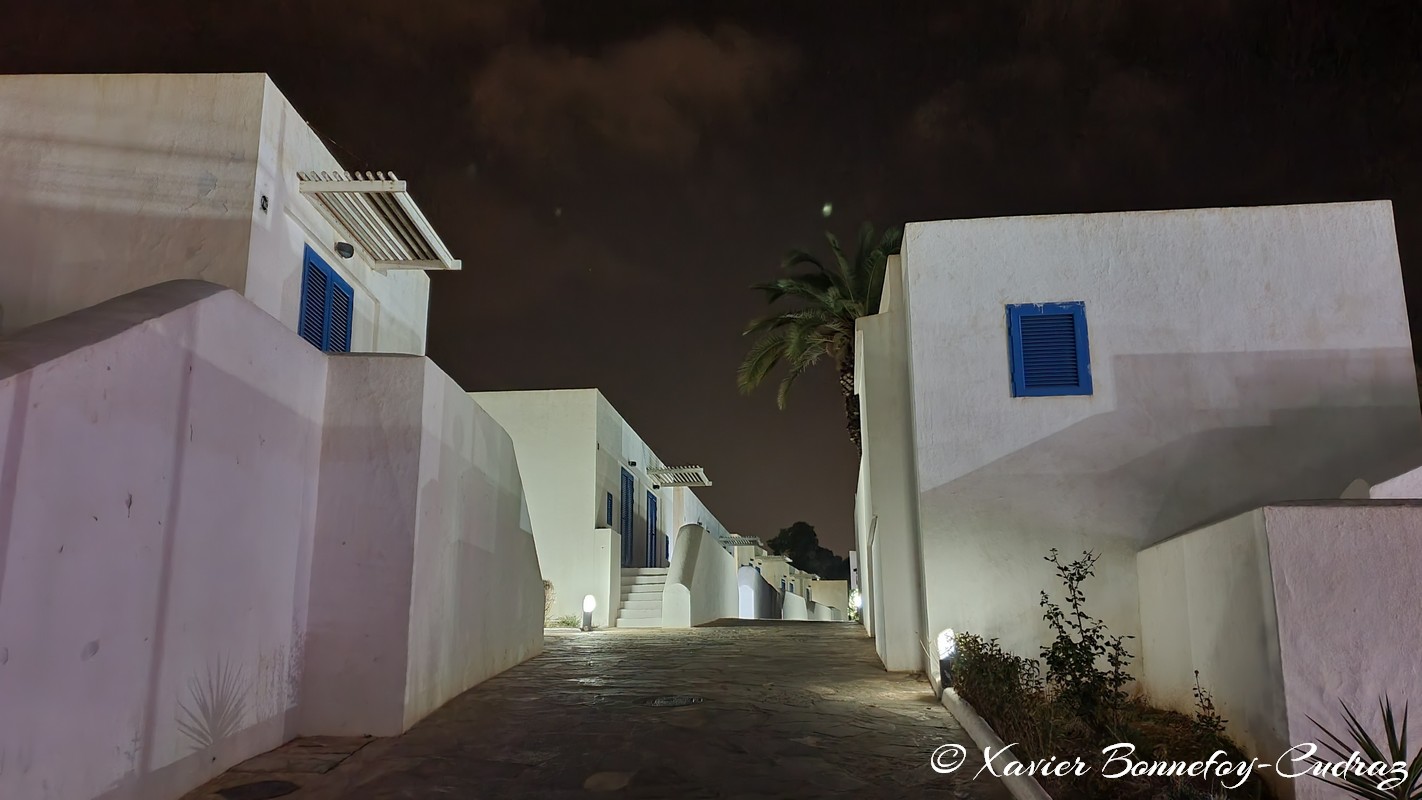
x,y
786,710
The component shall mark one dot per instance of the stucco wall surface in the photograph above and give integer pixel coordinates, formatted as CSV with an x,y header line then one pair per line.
x,y
794,607
1286,611
554,435
702,581
111,183
208,548
1207,604
1240,357
1345,582
158,486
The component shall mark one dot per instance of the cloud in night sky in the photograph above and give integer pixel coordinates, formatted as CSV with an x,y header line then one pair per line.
x,y
654,98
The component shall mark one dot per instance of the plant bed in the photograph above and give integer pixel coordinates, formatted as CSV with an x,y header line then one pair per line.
x,y
1072,705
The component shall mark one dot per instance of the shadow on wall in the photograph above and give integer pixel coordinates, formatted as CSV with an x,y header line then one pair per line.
x,y
189,481
1199,438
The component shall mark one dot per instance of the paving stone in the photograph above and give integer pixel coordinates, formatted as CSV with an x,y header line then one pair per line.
x,y
788,710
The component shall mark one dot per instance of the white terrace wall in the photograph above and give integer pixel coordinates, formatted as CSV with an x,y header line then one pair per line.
x,y
554,434
1286,611
425,578
702,581
111,183
173,473
1239,357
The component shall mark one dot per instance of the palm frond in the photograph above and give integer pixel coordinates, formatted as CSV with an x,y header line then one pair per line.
x,y
762,358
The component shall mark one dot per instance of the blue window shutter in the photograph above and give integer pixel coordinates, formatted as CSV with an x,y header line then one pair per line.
x,y
1048,349
327,305
314,287
342,309
609,509
627,515
651,529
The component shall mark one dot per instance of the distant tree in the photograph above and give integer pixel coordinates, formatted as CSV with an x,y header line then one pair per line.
x,y
801,544
822,325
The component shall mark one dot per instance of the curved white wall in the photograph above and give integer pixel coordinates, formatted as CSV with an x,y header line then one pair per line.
x,y
702,583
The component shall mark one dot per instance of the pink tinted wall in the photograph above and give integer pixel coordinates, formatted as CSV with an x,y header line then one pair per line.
x,y
207,548
157,507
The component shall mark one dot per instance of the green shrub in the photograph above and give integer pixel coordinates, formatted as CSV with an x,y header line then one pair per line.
x,y
1080,642
1078,705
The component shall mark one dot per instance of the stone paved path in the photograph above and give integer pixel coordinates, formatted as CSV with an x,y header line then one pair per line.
x,y
788,710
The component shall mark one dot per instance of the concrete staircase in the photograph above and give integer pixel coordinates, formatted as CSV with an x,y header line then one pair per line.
x,y
641,598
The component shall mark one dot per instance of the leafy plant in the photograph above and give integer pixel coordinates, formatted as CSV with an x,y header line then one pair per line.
x,y
1382,782
1207,719
569,621
1002,687
1080,642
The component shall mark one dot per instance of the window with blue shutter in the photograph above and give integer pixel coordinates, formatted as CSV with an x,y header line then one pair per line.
x,y
1048,349
628,511
651,529
609,509
327,306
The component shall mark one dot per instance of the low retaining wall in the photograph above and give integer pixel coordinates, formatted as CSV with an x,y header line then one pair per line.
x,y
1285,611
702,583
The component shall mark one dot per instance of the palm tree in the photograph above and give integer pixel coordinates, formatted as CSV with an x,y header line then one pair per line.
x,y
822,325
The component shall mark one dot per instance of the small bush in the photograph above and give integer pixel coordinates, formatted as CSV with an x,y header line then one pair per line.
x,y
569,621
1207,719
1078,705
1080,643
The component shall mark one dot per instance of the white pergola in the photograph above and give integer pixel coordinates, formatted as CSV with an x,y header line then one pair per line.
x,y
380,216
668,477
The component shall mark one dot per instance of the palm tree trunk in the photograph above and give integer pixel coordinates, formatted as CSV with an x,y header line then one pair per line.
x,y
851,400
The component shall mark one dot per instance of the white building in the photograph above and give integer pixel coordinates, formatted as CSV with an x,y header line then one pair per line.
x,y
112,183
604,518
216,536
1105,382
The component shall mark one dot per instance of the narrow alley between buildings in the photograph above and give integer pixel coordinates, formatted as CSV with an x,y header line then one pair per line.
x,y
735,710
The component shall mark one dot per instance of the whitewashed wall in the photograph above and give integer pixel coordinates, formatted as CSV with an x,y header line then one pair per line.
x,y
174,468
702,581
159,496
111,183
1240,357
887,482
1286,611
391,308
554,435
618,447
1207,604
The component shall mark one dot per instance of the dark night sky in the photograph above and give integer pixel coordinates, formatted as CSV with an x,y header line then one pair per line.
x,y
614,174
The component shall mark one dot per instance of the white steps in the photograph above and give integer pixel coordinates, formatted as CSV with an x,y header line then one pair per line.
x,y
641,602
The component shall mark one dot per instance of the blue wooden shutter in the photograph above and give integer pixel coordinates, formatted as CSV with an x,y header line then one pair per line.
x,y
609,509
651,529
315,285
327,306
1048,349
627,514
338,339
